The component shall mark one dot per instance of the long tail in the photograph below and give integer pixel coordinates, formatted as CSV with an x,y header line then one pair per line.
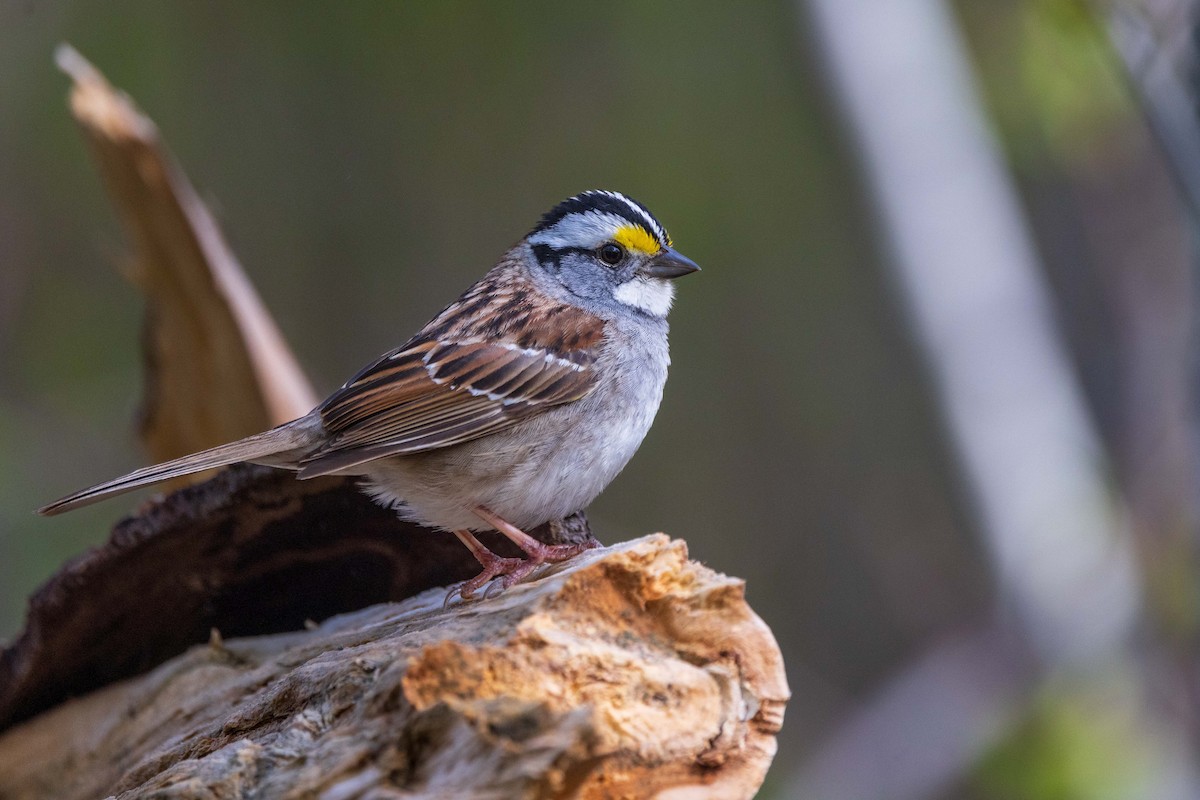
x,y
291,436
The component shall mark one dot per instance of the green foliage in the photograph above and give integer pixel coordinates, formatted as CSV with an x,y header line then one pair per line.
x,y
1080,741
1051,81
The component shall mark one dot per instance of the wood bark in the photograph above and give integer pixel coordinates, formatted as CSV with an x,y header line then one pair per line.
x,y
252,551
205,326
629,672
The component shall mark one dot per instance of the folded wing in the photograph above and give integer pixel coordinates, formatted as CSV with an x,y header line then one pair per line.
x,y
436,393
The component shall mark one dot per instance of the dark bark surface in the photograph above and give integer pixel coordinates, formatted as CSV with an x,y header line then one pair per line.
x,y
252,551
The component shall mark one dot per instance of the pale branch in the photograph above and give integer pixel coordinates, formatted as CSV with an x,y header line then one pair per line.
x,y
205,325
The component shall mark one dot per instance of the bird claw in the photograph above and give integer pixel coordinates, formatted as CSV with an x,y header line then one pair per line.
x,y
455,591
495,567
499,573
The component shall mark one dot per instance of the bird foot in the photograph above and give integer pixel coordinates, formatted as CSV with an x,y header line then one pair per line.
x,y
544,554
504,572
541,553
494,566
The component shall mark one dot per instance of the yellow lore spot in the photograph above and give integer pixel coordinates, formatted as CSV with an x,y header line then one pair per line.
x,y
637,239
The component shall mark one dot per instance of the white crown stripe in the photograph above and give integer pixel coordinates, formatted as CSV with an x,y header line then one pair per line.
x,y
652,224
580,226
580,229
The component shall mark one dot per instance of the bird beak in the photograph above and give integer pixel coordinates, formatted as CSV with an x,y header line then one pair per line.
x,y
670,263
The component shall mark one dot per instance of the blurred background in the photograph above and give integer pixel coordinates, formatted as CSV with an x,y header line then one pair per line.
x,y
933,395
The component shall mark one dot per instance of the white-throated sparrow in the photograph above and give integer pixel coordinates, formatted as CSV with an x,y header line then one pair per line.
x,y
516,405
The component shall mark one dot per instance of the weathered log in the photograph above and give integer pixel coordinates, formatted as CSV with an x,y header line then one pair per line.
x,y
251,551
629,672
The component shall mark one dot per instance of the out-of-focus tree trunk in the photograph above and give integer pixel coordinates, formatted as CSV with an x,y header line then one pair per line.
x,y
1014,415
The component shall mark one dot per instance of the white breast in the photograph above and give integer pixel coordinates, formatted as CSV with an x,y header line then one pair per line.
x,y
548,466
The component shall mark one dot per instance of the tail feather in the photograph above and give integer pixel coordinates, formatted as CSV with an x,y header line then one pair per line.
x,y
275,442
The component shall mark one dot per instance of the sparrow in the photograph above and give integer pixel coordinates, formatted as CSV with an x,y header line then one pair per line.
x,y
516,405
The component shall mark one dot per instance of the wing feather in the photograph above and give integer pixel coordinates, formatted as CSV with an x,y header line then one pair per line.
x,y
498,355
434,394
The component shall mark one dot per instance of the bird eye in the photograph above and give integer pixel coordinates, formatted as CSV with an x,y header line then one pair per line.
x,y
611,254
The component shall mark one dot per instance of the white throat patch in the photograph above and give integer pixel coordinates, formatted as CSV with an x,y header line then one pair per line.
x,y
652,295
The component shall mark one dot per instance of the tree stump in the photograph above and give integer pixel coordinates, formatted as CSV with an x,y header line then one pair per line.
x,y
627,672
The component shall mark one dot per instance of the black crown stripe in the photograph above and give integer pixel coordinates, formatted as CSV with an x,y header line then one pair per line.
x,y
603,202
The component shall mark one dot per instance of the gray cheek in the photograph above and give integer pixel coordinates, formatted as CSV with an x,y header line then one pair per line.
x,y
587,280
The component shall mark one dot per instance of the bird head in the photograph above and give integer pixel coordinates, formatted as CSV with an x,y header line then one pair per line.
x,y
605,247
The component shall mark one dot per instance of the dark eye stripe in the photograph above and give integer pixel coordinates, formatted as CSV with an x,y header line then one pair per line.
x,y
549,257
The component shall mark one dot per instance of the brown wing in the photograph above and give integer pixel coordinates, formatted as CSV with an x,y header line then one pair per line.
x,y
497,355
434,394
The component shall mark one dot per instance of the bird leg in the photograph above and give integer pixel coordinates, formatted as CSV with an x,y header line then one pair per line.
x,y
538,552
510,570
493,565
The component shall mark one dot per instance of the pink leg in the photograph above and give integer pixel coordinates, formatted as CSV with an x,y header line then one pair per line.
x,y
493,565
538,553
509,570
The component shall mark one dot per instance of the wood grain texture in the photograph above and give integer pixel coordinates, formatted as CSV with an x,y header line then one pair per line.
x,y
629,672
216,366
